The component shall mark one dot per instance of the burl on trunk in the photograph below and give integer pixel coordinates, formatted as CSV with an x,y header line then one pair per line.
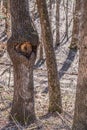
x,y
22,48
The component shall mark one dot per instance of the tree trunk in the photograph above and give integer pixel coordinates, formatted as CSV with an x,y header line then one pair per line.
x,y
5,4
1,5
75,32
41,51
67,30
80,115
22,47
57,23
53,81
50,11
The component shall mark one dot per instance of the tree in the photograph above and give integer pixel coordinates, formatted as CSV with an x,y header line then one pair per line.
x,y
6,12
41,57
1,4
80,115
50,10
57,23
22,47
67,20
53,81
76,24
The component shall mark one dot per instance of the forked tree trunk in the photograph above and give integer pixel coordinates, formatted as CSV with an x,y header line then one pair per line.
x,y
80,115
22,47
53,81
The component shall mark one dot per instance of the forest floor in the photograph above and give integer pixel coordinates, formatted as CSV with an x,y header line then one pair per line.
x,y
67,61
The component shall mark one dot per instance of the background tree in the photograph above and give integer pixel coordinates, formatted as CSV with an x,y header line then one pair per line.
x,y
6,12
57,42
53,81
67,20
80,115
1,4
76,24
50,10
41,57
22,47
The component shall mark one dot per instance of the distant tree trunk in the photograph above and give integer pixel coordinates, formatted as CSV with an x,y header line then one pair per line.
x,y
53,81
50,10
41,51
67,19
8,20
5,5
6,11
1,5
22,47
75,32
57,23
80,115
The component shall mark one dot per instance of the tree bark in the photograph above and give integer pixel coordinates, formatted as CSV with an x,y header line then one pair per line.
x,y
57,23
50,11
5,4
53,81
80,115
22,47
76,26
67,28
41,51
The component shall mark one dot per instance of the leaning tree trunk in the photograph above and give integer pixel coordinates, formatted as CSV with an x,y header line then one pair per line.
x,y
22,47
80,115
75,31
53,81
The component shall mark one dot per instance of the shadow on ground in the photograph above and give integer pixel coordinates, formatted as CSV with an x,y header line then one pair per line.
x,y
3,37
67,63
58,125
11,126
39,63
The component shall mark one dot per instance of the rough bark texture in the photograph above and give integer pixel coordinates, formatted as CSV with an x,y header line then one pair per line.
x,y
53,81
76,26
22,47
80,115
